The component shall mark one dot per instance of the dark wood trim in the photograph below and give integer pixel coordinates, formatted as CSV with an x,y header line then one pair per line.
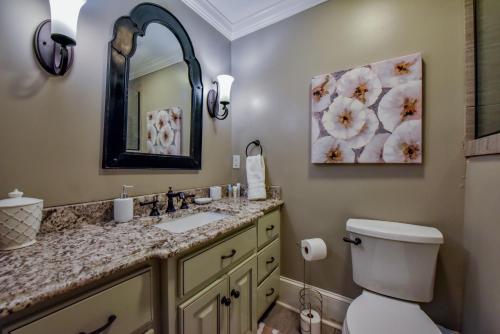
x,y
474,146
121,49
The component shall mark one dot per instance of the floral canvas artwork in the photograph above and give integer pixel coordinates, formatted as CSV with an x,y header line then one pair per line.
x,y
369,114
164,128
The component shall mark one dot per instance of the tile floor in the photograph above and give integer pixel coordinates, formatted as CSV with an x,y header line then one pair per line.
x,y
280,320
285,321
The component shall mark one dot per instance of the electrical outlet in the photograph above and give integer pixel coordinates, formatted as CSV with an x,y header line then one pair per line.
x,y
236,161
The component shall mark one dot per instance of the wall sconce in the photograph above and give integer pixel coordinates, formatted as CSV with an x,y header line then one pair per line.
x,y
222,95
54,39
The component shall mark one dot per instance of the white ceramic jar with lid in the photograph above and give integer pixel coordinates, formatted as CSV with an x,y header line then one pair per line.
x,y
20,219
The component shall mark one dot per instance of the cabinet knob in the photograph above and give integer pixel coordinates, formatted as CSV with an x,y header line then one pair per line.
x,y
270,293
271,260
235,293
225,301
270,228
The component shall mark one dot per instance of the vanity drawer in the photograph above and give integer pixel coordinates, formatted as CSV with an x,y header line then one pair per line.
x,y
268,227
130,302
268,292
198,268
267,260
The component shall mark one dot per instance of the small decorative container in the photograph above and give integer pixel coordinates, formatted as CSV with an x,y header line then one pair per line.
x,y
20,219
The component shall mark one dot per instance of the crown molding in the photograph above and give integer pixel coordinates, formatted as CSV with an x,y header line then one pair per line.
x,y
210,14
252,23
154,65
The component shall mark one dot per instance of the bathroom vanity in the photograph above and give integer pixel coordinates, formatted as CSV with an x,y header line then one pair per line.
x,y
227,286
137,278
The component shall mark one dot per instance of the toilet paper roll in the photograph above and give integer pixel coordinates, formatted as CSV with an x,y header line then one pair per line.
x,y
313,249
310,322
215,193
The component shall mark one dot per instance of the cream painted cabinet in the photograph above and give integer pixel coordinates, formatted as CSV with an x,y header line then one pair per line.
x,y
268,228
243,292
268,292
199,267
227,306
124,307
207,312
226,286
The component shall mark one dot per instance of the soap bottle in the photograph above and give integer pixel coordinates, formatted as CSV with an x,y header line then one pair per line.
x,y
123,206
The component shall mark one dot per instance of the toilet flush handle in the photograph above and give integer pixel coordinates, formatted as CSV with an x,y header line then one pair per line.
x,y
356,241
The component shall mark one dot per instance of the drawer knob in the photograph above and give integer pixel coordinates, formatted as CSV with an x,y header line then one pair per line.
x,y
99,330
271,260
233,253
270,228
270,293
235,293
225,301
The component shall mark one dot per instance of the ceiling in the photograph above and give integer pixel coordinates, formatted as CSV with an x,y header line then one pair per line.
x,y
151,56
237,18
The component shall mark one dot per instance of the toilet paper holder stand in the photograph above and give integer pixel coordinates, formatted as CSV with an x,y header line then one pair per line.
x,y
309,299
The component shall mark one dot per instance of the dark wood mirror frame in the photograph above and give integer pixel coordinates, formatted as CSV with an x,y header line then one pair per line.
x,y
474,146
121,49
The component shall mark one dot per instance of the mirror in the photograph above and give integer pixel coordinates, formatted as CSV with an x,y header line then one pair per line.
x,y
154,94
159,95
487,67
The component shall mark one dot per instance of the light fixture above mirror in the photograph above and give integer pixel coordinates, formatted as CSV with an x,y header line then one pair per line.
x,y
220,96
55,38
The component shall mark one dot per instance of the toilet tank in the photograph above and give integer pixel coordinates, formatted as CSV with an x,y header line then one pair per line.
x,y
395,259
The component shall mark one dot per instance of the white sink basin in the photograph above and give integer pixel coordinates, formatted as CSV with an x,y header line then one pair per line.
x,y
183,224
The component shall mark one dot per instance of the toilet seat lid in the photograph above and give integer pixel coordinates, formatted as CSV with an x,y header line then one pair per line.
x,y
375,314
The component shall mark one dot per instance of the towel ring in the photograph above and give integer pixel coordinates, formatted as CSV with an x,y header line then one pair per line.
x,y
256,143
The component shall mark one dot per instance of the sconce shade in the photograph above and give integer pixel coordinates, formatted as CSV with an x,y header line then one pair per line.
x,y
64,17
225,82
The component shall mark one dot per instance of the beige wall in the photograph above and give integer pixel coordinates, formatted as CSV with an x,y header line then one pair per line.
x,y
51,128
482,246
273,68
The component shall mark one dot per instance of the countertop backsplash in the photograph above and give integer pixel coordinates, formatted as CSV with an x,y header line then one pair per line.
x,y
74,215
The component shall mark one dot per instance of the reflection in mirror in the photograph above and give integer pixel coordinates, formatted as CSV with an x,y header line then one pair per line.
x,y
487,67
159,95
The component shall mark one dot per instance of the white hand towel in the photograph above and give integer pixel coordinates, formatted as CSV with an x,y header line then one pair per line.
x,y
256,177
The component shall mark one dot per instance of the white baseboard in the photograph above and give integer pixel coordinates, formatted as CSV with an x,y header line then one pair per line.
x,y
334,305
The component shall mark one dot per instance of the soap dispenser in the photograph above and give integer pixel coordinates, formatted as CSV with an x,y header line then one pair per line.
x,y
124,206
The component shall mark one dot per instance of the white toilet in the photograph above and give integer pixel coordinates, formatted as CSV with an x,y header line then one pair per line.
x,y
395,263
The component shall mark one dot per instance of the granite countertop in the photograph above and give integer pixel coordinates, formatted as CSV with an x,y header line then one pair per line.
x,y
73,257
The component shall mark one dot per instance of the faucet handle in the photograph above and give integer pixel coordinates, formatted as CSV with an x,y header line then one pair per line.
x,y
185,198
154,208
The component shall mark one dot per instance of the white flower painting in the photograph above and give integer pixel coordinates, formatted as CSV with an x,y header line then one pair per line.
x,y
370,114
164,130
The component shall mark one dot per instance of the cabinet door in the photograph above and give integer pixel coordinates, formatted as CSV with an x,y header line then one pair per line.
x,y
242,289
206,313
